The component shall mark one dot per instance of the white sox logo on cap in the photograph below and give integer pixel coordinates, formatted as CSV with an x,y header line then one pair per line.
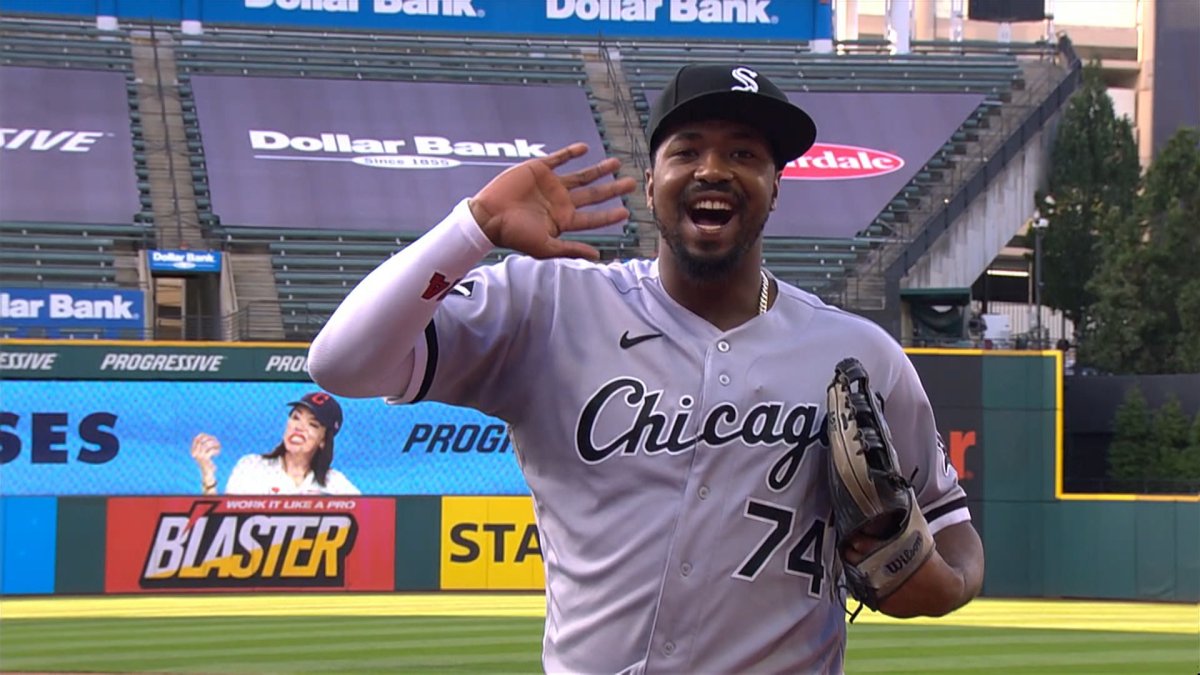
x,y
747,78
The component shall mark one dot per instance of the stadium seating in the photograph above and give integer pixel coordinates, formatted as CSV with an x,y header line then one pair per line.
x,y
648,65
74,255
63,44
69,255
313,270
310,280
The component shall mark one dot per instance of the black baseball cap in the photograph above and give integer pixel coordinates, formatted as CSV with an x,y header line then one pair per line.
x,y
325,407
733,92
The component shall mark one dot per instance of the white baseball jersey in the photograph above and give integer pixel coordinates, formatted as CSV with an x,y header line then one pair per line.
x,y
258,475
678,471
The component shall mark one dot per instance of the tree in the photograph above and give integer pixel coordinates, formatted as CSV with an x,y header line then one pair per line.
x,y
1131,456
1116,340
1146,314
1170,209
1189,466
1094,173
1169,439
1191,459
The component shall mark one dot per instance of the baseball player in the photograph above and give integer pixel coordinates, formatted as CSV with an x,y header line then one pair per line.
x,y
299,465
668,415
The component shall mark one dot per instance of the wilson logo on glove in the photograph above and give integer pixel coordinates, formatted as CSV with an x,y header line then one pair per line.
x,y
897,564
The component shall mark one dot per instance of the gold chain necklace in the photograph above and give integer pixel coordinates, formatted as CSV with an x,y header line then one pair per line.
x,y
762,292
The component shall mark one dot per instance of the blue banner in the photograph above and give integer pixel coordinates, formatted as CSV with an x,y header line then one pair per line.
x,y
784,20
134,438
48,312
186,262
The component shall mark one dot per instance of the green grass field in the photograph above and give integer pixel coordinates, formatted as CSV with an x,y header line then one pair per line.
x,y
406,642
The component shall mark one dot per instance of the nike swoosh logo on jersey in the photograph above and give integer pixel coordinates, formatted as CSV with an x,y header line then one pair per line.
x,y
627,342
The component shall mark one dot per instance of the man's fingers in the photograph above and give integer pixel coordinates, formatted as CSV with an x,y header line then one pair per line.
x,y
590,220
594,172
564,155
594,194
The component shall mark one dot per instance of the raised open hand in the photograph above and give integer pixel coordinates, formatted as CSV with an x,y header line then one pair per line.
x,y
528,206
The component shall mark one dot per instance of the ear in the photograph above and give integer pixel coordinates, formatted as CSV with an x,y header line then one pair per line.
x,y
775,190
649,189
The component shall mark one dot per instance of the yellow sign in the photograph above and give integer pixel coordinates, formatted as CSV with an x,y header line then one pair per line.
x,y
490,543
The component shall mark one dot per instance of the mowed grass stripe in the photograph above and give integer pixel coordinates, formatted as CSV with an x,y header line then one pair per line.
x,y
1029,652
131,635
1144,662
335,657
182,648
119,626
999,638
1081,615
341,658
1176,618
426,644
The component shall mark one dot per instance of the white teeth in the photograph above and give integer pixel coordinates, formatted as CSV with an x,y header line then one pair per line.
x,y
712,205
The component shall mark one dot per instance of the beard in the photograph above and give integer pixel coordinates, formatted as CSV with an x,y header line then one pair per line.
x,y
708,269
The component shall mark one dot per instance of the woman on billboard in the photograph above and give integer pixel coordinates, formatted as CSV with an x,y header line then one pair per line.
x,y
299,465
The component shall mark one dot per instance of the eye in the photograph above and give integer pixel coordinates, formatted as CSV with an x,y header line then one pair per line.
x,y
745,153
684,153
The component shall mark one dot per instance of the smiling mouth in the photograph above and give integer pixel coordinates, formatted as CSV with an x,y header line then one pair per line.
x,y
710,215
297,439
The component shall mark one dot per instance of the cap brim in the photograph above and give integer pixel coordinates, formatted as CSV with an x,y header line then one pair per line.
x,y
789,130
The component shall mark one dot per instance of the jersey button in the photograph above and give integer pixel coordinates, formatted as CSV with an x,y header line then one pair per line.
x,y
685,569
723,378
702,493
722,346
669,648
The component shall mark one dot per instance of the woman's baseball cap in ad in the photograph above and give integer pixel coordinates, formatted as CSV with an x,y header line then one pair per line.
x,y
732,92
325,407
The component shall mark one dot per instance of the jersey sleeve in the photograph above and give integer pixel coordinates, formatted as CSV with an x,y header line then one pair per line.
x,y
481,348
919,448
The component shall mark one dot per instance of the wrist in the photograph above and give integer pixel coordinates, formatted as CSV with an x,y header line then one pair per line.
x,y
935,589
482,218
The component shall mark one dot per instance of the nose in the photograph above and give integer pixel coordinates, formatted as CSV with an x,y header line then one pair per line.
x,y
712,168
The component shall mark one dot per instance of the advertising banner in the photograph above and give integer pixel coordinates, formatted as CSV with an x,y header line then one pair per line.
x,y
490,543
869,146
180,544
726,19
184,262
373,155
135,438
66,153
954,384
52,312
126,360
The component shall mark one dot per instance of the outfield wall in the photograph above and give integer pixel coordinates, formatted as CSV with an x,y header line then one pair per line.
x,y
110,505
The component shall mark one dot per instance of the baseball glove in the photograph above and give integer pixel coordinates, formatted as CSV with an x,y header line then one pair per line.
x,y
870,496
